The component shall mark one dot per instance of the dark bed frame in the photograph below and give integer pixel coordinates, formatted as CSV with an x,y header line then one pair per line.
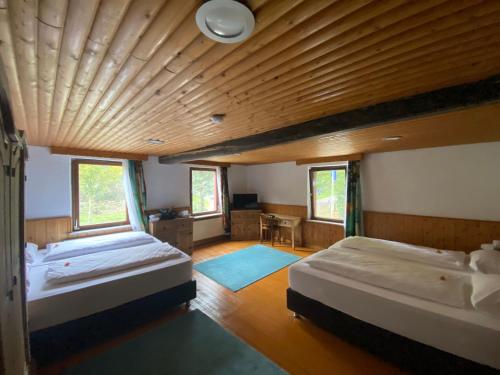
x,y
405,353
57,342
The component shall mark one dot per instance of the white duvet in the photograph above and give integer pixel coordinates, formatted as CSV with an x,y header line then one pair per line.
x,y
441,258
90,245
439,285
92,265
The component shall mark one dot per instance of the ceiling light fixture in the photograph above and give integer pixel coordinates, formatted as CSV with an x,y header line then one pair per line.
x,y
225,21
217,118
392,138
153,141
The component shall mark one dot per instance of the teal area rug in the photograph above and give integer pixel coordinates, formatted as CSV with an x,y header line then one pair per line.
x,y
190,344
244,267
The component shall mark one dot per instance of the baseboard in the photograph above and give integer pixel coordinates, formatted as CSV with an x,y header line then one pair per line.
x,y
211,240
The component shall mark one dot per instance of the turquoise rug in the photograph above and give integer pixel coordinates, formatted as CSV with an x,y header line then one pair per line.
x,y
244,267
190,344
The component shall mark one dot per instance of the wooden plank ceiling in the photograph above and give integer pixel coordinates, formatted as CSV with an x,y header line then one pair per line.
x,y
110,74
476,125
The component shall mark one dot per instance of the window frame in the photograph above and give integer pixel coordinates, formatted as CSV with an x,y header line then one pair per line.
x,y
311,191
217,199
75,195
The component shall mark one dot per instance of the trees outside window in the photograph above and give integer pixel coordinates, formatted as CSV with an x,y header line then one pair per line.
x,y
328,193
204,191
98,194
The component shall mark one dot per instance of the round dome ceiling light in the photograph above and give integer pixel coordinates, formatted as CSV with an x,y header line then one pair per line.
x,y
225,21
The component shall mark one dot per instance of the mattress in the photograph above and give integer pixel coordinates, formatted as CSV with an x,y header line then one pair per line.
x,y
462,331
49,305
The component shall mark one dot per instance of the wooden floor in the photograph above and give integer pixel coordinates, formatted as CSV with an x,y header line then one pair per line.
x,y
258,315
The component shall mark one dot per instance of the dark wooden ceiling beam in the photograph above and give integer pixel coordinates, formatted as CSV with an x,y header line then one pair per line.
x,y
434,102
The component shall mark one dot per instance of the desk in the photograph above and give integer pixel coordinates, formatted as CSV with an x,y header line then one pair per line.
x,y
293,224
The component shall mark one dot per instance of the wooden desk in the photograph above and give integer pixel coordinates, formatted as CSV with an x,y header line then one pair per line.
x,y
293,224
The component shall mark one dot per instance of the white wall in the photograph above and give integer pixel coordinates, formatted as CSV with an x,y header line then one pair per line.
x,y
168,186
48,188
458,181
48,184
284,183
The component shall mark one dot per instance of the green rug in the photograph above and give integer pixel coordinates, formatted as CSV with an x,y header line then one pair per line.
x,y
190,344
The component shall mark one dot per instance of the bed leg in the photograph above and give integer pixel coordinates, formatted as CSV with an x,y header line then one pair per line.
x,y
296,316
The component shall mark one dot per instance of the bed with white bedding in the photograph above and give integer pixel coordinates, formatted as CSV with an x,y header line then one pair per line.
x,y
99,275
435,311
89,245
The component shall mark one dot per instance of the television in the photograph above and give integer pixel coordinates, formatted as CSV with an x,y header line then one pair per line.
x,y
245,201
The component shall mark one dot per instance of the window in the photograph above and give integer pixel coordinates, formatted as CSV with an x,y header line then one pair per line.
x,y
98,195
328,193
204,191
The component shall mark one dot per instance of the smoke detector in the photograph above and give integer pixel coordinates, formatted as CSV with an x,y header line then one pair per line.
x,y
217,118
155,141
225,21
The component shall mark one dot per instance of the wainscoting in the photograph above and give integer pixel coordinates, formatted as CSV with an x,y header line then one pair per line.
x,y
55,229
315,234
438,232
47,230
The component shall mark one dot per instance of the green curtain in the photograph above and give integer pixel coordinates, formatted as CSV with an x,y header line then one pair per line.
x,y
354,210
138,186
226,216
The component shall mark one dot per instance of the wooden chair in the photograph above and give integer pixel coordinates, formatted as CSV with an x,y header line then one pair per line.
x,y
268,227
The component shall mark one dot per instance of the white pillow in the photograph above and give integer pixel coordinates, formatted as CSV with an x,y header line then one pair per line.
x,y
30,253
486,293
27,270
485,261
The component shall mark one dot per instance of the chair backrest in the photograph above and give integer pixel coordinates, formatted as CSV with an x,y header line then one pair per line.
x,y
268,220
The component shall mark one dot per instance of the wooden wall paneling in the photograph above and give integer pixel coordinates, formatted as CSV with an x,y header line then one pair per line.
x,y
47,230
315,234
97,153
329,159
285,209
321,235
437,232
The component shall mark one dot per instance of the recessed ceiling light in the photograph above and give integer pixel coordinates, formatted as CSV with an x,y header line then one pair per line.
x,y
225,21
153,141
392,138
217,118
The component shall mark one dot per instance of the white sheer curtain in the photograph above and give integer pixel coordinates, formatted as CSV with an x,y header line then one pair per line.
x,y
133,209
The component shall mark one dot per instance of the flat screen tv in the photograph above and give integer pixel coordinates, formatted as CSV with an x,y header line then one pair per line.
x,y
245,201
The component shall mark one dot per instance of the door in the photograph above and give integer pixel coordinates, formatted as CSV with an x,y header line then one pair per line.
x,y
13,328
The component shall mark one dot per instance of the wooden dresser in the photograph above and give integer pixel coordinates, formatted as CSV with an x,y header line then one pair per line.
x,y
177,232
245,224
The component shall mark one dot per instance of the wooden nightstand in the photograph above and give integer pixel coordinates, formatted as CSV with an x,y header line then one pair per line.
x,y
177,232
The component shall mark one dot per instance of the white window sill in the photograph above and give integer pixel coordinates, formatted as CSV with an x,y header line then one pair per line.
x,y
209,216
325,222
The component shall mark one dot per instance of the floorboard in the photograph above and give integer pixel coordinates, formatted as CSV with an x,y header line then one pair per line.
x,y
258,315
